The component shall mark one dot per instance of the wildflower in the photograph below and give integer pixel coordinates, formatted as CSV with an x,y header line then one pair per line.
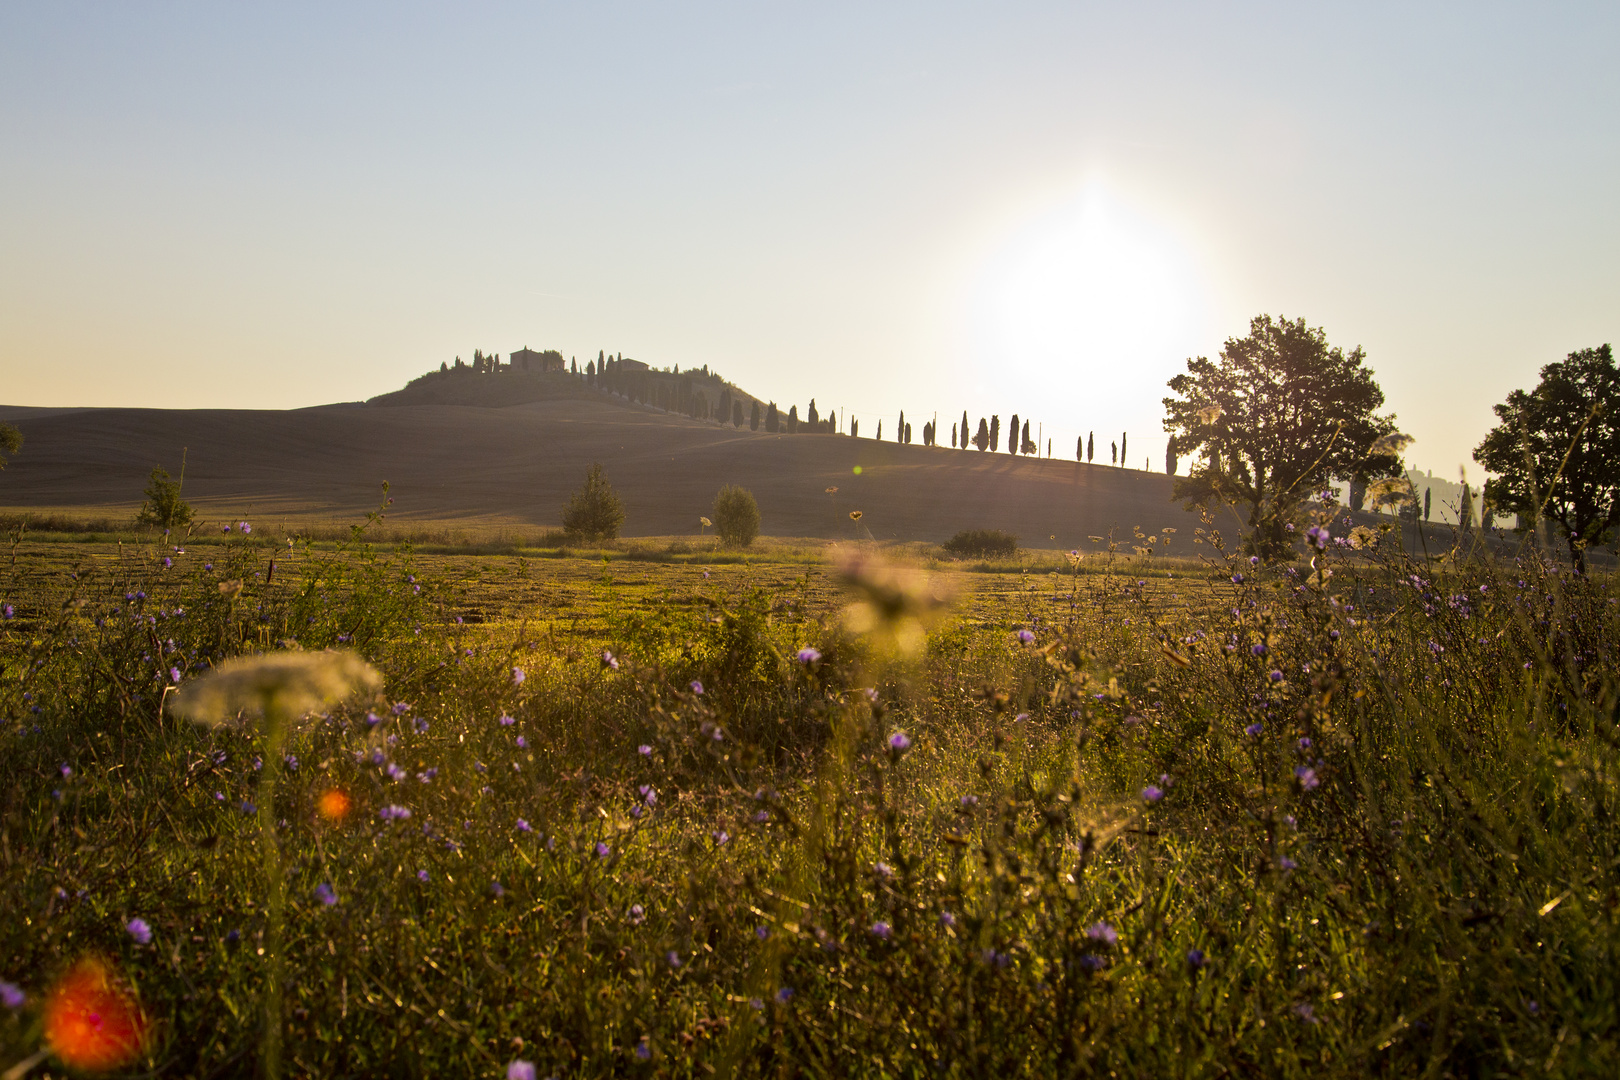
x,y
1304,1011
394,813
696,687
1237,579
1307,777
518,676
1253,730
721,837
92,1021
638,914
1152,793
324,893
899,742
1318,536
249,808
422,876
1287,864
174,674
10,612
644,750
167,562
497,890
507,721
520,1070
784,995
332,804
673,958
1195,959
881,930
649,794
762,931
1304,743
946,920
1258,650
1026,637
883,870
643,1051
522,743
523,826
809,656
245,527
11,995
139,930
1102,932
610,661
1275,676
602,850
291,684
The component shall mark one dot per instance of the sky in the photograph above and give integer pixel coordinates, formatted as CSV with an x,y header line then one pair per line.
x,y
1032,208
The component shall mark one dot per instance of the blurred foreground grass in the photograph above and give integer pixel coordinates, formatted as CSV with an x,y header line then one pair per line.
x,y
632,817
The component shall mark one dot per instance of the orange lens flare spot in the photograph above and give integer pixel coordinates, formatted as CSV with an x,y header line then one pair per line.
x,y
92,1021
333,805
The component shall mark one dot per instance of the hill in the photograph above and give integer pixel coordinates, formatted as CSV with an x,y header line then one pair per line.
x,y
519,463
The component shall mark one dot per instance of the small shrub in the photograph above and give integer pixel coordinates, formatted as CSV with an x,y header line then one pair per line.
x,y
164,507
736,516
982,542
594,512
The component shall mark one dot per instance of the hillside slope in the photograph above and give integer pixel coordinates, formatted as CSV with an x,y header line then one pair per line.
x,y
520,463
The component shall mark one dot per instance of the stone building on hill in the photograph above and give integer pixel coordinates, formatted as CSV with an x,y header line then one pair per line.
x,y
526,359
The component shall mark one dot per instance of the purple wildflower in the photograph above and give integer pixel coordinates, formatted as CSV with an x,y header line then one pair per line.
x,y
602,850
899,742
881,929
1274,675
649,794
422,876
520,1070
174,674
809,656
523,826
1195,958
1287,864
1318,536
697,687
1307,777
324,893
393,813
1152,793
1253,729
522,743
946,920
610,661
673,958
139,930
11,995
518,676
167,561
643,1051
784,995
638,914
507,721
1102,932
1026,637
644,750
245,527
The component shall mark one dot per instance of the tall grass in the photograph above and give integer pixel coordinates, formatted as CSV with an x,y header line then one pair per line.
x,y
1235,820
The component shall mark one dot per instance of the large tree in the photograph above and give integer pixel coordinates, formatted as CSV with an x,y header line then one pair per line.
x,y
11,441
1278,414
1556,452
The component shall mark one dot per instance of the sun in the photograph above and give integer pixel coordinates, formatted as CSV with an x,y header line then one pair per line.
x,y
1089,294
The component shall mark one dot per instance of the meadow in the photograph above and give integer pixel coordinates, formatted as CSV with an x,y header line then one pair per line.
x,y
662,809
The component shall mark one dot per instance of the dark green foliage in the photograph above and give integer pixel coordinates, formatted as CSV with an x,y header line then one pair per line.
x,y
991,543
594,512
1123,443
981,439
1556,451
736,414
773,419
736,516
753,418
995,432
812,417
1012,436
1278,414
963,430
1091,447
1170,462
1079,448
11,441
793,419
163,506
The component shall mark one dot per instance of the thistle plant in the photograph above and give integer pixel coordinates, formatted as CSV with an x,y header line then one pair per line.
x,y
275,691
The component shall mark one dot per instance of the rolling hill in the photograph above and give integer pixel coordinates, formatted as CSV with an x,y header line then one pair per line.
x,y
518,463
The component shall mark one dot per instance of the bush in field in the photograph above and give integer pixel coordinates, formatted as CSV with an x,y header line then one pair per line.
x,y
594,512
164,507
736,516
983,543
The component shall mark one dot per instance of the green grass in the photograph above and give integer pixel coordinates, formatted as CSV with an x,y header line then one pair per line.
x,y
1089,861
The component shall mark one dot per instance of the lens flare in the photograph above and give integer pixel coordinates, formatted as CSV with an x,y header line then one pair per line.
x,y
92,1021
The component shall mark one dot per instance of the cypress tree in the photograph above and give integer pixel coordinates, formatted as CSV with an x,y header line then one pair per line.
x,y
880,431
908,434
1170,458
1113,448
1465,510
1024,439
1122,445
854,427
1012,436
812,417
982,439
1079,448
953,436
995,432
753,418
793,419
964,430
1091,447
773,419
900,428
736,414
1426,493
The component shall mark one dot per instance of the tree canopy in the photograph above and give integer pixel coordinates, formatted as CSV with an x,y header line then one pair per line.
x,y
1556,452
11,441
595,511
1276,414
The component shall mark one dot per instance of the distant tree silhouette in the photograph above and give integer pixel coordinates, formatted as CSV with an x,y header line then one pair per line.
x,y
1024,440
793,419
1465,509
1012,436
953,435
812,417
907,439
1091,447
1114,449
753,418
444,365
724,411
854,427
964,430
1079,448
880,431
1170,458
736,414
995,431
594,512
1122,444
1358,492
900,428
11,441
982,438
1426,493
773,419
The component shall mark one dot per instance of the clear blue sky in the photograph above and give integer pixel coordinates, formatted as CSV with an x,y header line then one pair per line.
x,y
1032,208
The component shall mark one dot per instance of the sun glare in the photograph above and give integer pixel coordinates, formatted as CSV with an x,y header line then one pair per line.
x,y
1091,294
